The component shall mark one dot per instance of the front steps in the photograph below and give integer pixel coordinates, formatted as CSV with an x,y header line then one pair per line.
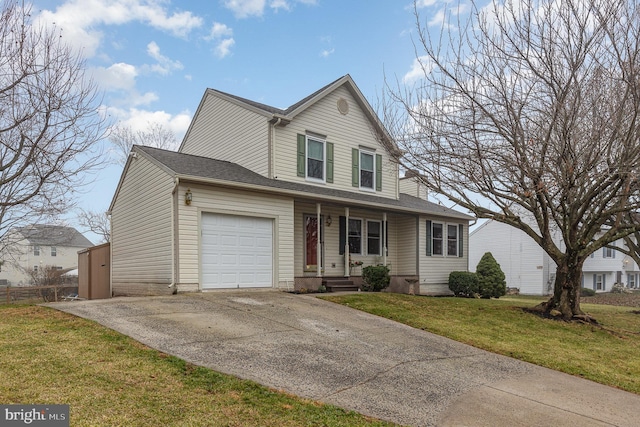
x,y
339,284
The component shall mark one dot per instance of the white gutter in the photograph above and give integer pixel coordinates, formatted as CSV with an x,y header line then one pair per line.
x,y
174,197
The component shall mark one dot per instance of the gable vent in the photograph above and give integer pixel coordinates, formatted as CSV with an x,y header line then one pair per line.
x,y
343,106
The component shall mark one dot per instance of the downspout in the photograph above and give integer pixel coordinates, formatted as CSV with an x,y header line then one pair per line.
x,y
174,198
384,239
319,260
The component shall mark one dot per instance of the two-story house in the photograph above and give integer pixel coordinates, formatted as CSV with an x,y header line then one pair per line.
x,y
531,270
258,196
39,246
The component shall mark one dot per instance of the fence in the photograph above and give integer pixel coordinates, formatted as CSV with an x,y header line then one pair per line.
x,y
50,293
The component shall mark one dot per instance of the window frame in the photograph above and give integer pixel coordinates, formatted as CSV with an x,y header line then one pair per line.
x,y
36,250
608,253
379,248
54,251
597,282
457,239
359,236
307,156
441,239
372,154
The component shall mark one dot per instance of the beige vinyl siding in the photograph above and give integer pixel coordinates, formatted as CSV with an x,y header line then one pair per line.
x,y
413,187
224,131
435,269
406,250
233,202
141,237
344,131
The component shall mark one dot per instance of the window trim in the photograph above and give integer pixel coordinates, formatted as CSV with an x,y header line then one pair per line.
x,y
379,222
324,159
442,239
608,253
457,239
362,152
36,250
54,251
359,236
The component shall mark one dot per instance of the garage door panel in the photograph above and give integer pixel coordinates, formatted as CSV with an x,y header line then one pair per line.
x,y
236,251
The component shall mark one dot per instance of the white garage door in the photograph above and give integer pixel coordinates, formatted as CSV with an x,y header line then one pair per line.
x,y
237,251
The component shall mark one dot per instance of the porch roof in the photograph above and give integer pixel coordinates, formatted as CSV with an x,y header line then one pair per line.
x,y
206,170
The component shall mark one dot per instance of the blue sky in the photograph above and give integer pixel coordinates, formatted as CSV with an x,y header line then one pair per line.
x,y
154,58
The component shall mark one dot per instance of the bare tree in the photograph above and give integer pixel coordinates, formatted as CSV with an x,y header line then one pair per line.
x,y
50,126
95,222
156,135
528,114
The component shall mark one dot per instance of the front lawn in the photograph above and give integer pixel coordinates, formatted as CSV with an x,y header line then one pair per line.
x,y
609,355
108,379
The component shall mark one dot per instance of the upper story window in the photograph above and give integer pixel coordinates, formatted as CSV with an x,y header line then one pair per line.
x,y
608,252
54,251
367,170
315,158
36,250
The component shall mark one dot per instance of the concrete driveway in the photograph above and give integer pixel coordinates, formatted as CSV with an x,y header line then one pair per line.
x,y
378,367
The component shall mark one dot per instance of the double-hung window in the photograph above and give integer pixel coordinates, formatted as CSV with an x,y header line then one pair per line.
x,y
54,251
374,232
437,236
452,240
608,252
36,250
315,159
367,170
355,236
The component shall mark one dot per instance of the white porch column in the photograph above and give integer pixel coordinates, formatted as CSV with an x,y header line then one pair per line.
x,y
384,238
319,259
347,269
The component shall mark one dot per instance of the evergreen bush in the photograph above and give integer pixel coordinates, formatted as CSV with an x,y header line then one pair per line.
x,y
375,278
491,279
463,283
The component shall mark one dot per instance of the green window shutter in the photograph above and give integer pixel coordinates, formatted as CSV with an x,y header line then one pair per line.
x,y
329,162
302,157
343,234
378,172
355,167
428,238
460,240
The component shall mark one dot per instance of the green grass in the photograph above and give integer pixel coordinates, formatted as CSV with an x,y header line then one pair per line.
x,y
49,357
608,355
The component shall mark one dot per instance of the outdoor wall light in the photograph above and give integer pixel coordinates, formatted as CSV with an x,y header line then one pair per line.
x,y
188,197
328,221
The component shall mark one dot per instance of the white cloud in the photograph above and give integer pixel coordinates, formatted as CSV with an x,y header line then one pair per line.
x,y
165,65
220,30
279,4
78,19
119,76
419,68
326,52
223,48
139,120
424,3
245,8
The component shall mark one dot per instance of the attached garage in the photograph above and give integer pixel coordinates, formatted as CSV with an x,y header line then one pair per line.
x,y
236,251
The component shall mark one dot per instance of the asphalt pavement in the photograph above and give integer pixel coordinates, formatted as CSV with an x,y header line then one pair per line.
x,y
335,354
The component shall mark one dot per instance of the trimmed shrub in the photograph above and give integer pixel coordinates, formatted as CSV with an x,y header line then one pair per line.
x,y
490,277
463,283
375,278
587,292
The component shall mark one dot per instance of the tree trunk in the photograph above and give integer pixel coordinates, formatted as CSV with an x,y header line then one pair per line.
x,y
565,302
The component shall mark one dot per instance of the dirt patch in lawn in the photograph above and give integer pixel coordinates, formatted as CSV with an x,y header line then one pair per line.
x,y
626,300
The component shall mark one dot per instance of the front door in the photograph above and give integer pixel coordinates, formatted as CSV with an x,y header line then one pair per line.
x,y
311,257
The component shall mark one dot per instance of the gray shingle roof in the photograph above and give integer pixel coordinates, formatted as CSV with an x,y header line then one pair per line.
x,y
54,235
204,168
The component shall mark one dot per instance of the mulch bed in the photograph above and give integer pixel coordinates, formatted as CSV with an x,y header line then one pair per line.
x,y
627,300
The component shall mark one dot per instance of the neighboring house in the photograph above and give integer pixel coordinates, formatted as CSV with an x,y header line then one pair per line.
x,y
39,246
258,196
529,268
